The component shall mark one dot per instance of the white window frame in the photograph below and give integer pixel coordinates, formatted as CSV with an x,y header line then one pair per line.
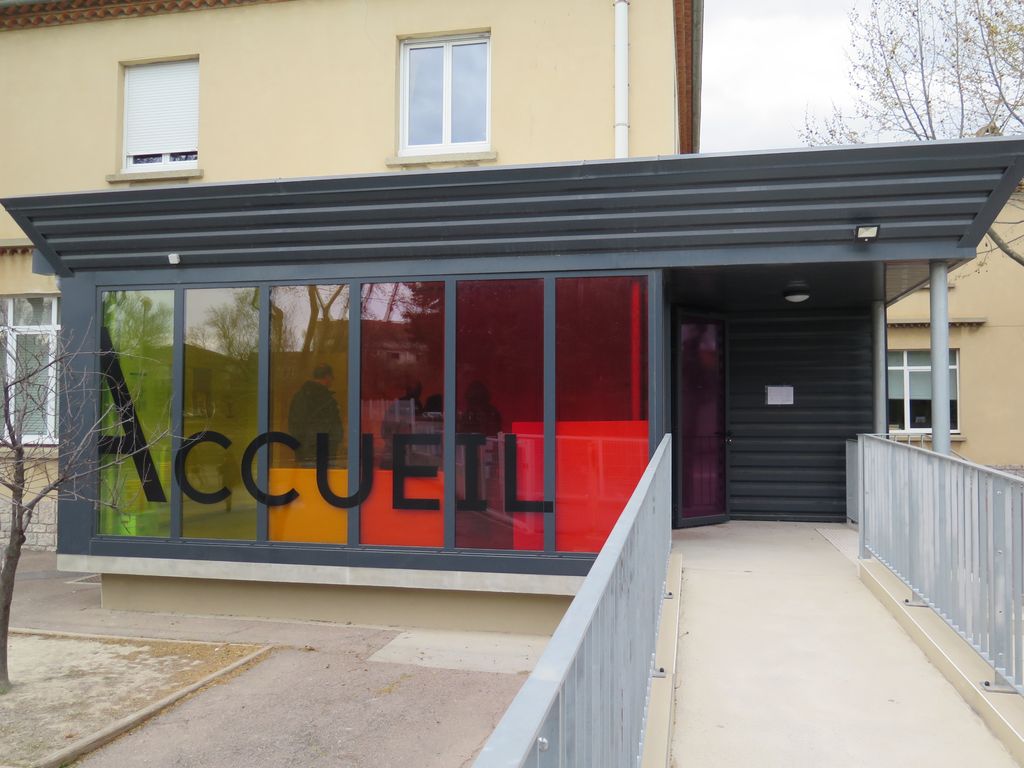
x,y
166,163
447,146
907,370
50,331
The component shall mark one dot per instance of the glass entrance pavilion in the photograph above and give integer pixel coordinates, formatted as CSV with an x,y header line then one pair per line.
x,y
467,371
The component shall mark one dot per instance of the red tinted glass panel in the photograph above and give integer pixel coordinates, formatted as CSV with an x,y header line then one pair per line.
x,y
500,418
601,404
402,336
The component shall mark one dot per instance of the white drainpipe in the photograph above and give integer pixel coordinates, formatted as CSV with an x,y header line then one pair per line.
x,y
622,78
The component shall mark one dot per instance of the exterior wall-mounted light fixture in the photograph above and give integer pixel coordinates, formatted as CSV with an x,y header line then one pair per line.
x,y
866,233
797,292
174,259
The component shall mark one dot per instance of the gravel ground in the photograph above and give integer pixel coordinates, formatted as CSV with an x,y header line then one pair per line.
x,y
66,688
319,700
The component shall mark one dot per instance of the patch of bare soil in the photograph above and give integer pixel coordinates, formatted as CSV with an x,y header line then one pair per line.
x,y
66,688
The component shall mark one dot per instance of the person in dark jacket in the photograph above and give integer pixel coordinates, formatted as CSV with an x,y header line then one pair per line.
x,y
313,410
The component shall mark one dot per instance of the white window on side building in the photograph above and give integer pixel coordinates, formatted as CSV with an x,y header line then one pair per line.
x,y
28,344
446,95
910,390
161,116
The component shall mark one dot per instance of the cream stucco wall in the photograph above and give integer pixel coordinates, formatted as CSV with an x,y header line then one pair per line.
x,y
990,292
309,87
16,278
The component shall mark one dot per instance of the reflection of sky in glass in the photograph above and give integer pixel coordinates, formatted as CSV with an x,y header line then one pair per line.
x,y
426,95
387,301
469,92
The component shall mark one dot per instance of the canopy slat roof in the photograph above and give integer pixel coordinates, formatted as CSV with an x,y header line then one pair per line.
x,y
941,192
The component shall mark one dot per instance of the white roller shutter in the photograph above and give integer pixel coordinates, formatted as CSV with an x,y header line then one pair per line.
x,y
162,107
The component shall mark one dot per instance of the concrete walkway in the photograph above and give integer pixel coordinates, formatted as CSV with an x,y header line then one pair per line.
x,y
787,660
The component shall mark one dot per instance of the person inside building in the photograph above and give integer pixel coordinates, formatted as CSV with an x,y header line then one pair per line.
x,y
313,410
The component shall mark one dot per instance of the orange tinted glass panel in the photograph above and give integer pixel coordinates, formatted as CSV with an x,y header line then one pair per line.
x,y
309,396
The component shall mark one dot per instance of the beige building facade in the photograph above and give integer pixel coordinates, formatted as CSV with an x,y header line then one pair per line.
x,y
297,88
313,88
986,336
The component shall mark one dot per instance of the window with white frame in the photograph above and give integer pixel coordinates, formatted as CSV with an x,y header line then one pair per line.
x,y
161,116
910,390
28,343
446,95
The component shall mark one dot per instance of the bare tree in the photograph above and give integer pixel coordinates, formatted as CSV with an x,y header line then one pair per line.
x,y
933,69
36,370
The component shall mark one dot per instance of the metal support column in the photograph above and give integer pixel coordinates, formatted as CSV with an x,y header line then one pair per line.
x,y
879,368
939,294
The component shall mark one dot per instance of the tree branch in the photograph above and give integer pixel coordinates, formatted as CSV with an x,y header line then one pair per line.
x,y
1005,247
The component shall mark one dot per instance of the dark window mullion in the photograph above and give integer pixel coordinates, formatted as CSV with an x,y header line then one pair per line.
x,y
177,400
550,538
355,367
263,405
448,443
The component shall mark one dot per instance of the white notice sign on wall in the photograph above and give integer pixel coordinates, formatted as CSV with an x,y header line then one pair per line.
x,y
778,394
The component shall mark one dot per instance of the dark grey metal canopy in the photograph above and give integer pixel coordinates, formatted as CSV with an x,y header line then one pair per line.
x,y
932,200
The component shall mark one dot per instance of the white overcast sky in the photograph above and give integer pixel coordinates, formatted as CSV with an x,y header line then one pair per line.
x,y
767,63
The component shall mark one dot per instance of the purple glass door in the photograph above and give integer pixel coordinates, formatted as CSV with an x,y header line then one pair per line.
x,y
702,420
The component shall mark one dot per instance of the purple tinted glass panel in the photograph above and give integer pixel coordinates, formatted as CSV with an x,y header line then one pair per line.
x,y
702,417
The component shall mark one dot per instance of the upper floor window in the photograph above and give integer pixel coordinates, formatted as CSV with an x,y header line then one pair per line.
x,y
28,371
446,95
910,390
161,116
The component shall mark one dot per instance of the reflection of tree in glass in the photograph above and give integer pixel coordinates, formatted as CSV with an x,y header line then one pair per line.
x,y
230,329
424,311
418,304
304,318
405,322
141,325
141,333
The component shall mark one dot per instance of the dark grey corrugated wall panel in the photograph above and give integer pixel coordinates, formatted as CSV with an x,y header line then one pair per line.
x,y
788,462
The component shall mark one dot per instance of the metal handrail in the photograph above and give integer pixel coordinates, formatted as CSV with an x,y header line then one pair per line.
x,y
953,531
585,703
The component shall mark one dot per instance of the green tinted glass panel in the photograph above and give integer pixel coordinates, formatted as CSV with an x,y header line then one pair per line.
x,y
895,358
919,358
219,396
139,325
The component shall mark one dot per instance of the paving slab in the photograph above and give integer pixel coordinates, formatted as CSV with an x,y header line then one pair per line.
x,y
318,700
786,660
472,651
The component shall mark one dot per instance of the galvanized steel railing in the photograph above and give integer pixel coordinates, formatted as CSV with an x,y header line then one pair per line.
x,y
585,703
952,531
